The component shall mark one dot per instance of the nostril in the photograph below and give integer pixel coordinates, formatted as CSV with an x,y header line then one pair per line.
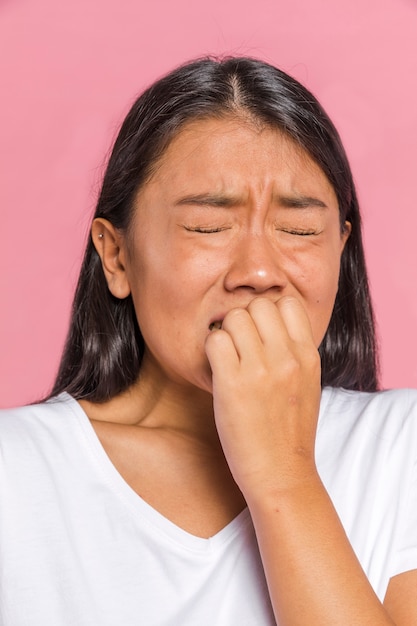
x,y
256,275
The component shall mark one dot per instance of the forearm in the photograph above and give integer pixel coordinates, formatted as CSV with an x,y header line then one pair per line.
x,y
312,572
266,398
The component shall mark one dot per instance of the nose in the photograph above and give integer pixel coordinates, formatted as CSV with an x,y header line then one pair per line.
x,y
256,265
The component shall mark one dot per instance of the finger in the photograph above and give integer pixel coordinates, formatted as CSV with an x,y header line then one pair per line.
x,y
221,353
243,331
296,320
268,321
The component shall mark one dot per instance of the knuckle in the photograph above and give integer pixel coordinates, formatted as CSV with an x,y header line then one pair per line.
x,y
287,301
293,367
312,358
234,314
260,303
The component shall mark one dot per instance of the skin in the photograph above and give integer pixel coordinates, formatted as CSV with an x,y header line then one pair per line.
x,y
238,226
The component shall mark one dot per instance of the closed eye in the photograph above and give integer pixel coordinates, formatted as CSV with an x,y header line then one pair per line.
x,y
206,229
299,232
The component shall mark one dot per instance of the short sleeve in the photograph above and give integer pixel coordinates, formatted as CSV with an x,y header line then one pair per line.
x,y
405,557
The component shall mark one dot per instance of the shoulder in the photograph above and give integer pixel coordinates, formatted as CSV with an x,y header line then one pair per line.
x,y
368,438
387,397
36,420
39,442
391,409
368,427
54,406
366,454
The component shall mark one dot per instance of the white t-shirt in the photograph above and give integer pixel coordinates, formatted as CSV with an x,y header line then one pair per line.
x,y
78,547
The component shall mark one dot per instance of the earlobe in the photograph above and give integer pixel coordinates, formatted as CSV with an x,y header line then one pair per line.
x,y
110,246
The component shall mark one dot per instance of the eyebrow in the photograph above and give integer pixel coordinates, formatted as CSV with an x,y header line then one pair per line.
x,y
300,202
208,199
297,201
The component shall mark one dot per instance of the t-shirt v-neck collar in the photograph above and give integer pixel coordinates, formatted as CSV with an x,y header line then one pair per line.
x,y
137,505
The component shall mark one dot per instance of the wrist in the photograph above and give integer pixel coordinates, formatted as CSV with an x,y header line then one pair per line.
x,y
294,482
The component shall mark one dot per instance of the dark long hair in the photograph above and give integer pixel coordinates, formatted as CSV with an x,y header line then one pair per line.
x,y
104,347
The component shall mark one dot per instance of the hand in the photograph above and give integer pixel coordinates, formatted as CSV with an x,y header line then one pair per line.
x,y
266,393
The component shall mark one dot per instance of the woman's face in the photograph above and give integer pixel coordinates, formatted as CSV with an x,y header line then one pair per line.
x,y
232,212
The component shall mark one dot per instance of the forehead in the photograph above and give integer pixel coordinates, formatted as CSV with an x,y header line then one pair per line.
x,y
233,154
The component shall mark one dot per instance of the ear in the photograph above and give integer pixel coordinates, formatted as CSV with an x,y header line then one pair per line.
x,y
111,248
347,229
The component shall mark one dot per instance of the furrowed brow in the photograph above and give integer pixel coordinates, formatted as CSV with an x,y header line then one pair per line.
x,y
300,202
207,200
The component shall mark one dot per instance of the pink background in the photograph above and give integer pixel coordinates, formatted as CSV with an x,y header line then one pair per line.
x,y
69,70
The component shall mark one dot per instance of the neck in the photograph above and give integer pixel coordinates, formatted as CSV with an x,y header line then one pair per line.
x,y
155,401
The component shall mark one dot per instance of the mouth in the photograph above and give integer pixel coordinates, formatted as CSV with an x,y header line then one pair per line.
x,y
216,325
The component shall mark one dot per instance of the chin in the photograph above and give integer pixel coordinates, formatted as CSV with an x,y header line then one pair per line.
x,y
204,382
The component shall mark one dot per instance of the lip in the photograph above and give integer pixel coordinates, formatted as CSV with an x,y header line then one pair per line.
x,y
216,325
219,317
217,320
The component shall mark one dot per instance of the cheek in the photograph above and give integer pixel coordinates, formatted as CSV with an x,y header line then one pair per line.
x,y
323,304
168,282
317,282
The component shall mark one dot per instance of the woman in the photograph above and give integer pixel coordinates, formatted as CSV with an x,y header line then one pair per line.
x,y
214,450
